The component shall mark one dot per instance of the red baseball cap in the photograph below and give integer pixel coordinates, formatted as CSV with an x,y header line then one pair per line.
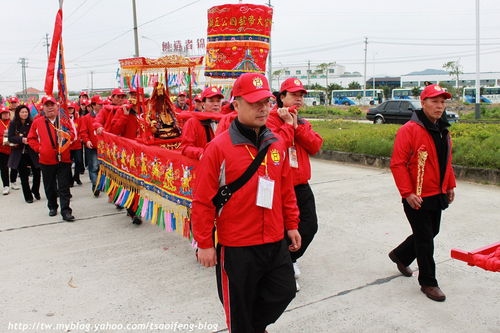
x,y
96,99
197,98
182,93
434,90
118,92
72,105
253,87
211,92
132,90
85,102
4,109
46,99
292,84
13,100
84,93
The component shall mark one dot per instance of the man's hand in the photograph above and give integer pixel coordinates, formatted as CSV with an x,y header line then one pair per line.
x,y
25,140
207,257
414,201
99,130
295,120
285,115
296,240
89,145
451,195
126,111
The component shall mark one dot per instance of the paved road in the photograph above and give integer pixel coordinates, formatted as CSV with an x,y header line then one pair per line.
x,y
101,270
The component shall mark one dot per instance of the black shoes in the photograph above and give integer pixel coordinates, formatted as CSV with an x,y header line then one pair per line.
x,y
78,181
96,193
136,220
68,217
37,196
405,270
29,200
52,212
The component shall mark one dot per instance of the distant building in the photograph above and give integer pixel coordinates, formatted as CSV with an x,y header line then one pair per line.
x,y
30,93
417,79
386,81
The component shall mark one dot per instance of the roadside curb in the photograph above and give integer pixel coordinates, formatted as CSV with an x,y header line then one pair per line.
x,y
478,175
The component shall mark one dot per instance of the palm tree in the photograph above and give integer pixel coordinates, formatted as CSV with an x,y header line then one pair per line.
x,y
277,74
324,67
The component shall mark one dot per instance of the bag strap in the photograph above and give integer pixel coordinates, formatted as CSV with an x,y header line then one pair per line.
x,y
226,191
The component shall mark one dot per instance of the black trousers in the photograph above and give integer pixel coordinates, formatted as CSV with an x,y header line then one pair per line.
x,y
56,179
77,158
13,175
24,172
255,284
4,169
420,244
308,225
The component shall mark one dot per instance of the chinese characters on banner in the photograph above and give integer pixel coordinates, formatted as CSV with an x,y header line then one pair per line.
x,y
237,39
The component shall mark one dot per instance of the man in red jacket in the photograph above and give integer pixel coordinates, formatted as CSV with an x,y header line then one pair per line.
x,y
196,133
103,119
55,166
89,139
303,141
181,103
421,166
254,271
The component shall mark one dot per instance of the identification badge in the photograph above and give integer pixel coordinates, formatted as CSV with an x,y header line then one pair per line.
x,y
292,155
265,192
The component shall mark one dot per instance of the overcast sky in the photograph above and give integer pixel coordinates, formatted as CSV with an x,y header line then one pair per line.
x,y
403,36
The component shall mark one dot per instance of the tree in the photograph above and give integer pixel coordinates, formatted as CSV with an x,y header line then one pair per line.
x,y
314,86
454,69
331,87
354,85
278,73
323,68
415,91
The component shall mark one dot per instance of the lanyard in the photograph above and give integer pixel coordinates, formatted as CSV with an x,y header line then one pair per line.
x,y
253,157
6,126
49,132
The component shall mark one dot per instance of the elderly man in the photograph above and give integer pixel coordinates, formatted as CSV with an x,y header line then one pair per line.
x,y
421,166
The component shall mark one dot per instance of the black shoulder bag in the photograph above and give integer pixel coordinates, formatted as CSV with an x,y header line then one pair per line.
x,y
226,191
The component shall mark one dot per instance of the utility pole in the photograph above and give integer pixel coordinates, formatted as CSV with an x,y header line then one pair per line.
x,y
136,38
91,82
309,73
24,64
364,76
270,63
47,44
478,76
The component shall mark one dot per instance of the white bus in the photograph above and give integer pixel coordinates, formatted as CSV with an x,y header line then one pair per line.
x,y
355,97
403,93
315,97
488,95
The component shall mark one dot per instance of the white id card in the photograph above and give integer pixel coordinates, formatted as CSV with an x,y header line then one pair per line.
x,y
265,192
292,155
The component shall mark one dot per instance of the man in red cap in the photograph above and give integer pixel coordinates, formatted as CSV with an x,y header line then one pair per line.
x,y
83,96
196,133
4,148
303,142
181,104
103,120
43,138
254,271
198,103
13,104
421,166
89,139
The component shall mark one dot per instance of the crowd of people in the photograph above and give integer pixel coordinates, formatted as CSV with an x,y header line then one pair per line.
x,y
254,155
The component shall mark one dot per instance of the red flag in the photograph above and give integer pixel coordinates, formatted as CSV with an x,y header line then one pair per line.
x,y
49,76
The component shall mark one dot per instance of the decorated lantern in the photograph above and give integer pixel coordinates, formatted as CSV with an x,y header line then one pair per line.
x,y
237,39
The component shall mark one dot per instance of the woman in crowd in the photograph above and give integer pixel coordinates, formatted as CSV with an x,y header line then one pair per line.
x,y
76,147
4,148
22,157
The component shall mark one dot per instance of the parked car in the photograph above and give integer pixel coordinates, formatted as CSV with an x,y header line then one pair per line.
x,y
399,112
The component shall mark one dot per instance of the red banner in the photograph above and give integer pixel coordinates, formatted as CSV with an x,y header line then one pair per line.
x,y
238,39
56,36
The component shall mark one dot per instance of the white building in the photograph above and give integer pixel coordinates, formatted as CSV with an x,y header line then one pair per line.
x,y
417,79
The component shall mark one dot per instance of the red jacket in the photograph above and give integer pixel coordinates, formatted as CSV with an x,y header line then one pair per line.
x,y
306,141
225,122
404,162
124,125
77,144
39,141
241,222
87,131
194,138
4,127
104,117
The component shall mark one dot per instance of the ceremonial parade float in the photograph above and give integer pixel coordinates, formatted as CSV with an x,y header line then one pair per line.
x,y
149,174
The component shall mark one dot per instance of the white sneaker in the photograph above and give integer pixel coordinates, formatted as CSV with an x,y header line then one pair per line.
x,y
297,285
14,186
296,270
5,190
